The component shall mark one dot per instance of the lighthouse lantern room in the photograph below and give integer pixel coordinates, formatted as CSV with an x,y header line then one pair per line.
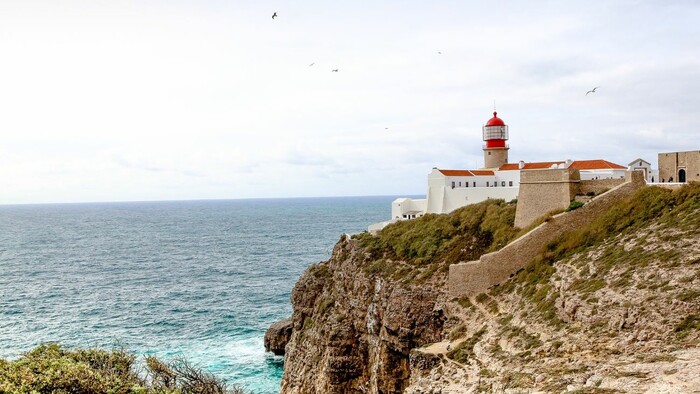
x,y
495,133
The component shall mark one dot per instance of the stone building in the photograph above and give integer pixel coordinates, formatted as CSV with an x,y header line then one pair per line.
x,y
679,166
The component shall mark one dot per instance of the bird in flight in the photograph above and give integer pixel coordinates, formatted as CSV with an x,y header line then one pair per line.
x,y
439,53
274,15
311,64
335,70
592,90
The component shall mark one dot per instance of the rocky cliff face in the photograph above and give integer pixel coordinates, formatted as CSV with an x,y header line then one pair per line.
x,y
353,330
614,308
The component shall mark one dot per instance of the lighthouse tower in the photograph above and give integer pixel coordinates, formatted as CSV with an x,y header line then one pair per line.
x,y
495,135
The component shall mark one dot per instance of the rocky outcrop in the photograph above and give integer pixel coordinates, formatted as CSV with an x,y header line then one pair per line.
x,y
353,329
277,336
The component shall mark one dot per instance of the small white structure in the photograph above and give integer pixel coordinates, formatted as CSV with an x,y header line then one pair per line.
x,y
452,189
650,175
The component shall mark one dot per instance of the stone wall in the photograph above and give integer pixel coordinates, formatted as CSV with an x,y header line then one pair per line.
x,y
544,191
598,186
491,269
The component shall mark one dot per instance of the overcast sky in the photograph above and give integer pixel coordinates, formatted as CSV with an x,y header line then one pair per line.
x,y
163,100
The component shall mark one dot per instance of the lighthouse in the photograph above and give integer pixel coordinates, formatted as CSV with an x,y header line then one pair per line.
x,y
495,133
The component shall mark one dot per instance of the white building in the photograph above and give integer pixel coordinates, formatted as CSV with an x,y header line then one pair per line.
x,y
452,189
650,175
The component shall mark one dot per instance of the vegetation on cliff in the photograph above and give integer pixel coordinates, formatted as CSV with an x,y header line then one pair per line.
x,y
412,251
54,369
463,234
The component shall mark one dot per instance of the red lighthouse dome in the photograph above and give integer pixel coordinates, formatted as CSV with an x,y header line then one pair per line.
x,y
495,121
495,132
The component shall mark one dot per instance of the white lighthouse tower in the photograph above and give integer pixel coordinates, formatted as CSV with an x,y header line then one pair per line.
x,y
495,133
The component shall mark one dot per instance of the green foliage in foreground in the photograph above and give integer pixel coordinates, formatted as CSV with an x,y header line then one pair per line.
x,y
53,369
462,235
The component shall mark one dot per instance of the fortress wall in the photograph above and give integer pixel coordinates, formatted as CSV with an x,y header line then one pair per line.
x,y
543,191
470,278
598,186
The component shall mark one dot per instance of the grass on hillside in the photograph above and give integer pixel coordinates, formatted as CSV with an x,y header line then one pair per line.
x,y
53,369
413,251
461,235
678,210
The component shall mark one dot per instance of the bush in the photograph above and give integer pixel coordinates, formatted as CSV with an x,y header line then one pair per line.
x,y
574,205
53,369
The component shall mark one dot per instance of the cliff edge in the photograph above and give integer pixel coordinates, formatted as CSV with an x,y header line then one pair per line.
x,y
610,308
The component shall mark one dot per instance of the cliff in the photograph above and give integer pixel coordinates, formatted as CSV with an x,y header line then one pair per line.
x,y
612,307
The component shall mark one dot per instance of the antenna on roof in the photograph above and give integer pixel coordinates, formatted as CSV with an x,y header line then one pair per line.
x,y
494,105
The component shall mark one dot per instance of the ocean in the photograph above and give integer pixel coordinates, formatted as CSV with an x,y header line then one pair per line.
x,y
197,279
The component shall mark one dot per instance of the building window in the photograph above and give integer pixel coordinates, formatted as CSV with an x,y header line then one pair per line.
x,y
510,183
487,183
460,184
503,183
453,185
466,184
474,184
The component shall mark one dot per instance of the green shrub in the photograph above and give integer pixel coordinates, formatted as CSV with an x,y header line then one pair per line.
x,y
687,326
574,205
465,350
53,369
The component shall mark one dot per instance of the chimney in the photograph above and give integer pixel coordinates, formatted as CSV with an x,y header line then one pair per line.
x,y
521,165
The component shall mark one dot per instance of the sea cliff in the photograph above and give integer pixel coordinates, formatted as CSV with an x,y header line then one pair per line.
x,y
612,307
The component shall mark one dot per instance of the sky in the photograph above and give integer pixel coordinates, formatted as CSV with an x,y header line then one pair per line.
x,y
178,100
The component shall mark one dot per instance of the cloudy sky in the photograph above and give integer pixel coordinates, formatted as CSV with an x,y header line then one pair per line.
x,y
163,100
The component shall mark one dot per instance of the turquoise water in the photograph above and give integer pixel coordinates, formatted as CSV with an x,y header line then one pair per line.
x,y
199,279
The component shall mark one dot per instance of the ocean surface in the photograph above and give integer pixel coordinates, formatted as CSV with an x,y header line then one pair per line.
x,y
198,279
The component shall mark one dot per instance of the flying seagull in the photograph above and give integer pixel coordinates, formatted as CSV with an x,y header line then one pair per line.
x,y
311,64
592,90
439,53
274,15
335,70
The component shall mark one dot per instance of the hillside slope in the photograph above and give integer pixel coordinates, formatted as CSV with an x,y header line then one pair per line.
x,y
613,307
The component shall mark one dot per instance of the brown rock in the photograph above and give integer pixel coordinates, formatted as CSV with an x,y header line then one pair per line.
x,y
277,336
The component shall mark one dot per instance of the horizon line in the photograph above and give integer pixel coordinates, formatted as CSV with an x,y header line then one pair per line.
x,y
201,199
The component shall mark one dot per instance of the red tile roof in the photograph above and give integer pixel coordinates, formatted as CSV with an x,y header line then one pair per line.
x,y
456,172
482,172
595,165
466,172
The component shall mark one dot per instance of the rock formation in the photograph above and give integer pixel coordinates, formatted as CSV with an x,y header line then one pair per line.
x,y
277,336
